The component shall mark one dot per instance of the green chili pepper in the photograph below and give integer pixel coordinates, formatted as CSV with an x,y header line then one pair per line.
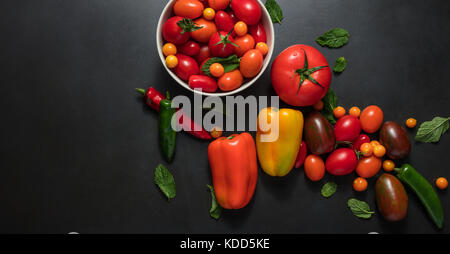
x,y
424,191
167,135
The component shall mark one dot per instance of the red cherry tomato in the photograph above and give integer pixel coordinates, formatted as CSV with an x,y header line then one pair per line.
x,y
233,17
347,128
190,48
286,81
173,33
245,43
363,138
218,5
203,54
223,21
186,67
371,119
248,11
220,44
258,33
207,84
190,9
341,162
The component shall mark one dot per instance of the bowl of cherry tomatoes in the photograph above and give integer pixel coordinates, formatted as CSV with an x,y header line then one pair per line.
x,y
215,47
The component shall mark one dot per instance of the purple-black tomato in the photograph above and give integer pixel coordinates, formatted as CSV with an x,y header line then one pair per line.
x,y
395,139
319,136
392,201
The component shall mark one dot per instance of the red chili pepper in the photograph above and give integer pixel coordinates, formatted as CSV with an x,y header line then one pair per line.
x,y
301,155
153,98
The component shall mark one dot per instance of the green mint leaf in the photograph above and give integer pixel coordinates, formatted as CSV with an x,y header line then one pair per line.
x,y
431,131
275,11
340,64
216,209
230,63
328,189
335,38
360,208
329,103
188,25
164,180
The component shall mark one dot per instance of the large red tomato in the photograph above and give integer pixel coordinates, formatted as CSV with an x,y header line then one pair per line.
x,y
300,75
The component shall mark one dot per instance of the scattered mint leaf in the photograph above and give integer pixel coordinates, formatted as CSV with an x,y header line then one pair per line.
x,y
275,11
335,38
328,189
216,209
360,208
340,64
431,131
164,180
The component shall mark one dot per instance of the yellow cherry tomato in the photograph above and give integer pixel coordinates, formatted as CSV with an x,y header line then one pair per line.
x,y
262,47
379,151
240,28
209,13
366,149
411,123
318,105
169,49
442,183
339,112
216,69
388,165
171,61
354,111
216,132
360,184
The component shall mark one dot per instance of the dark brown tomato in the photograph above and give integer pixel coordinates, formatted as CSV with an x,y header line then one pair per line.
x,y
391,197
396,140
319,135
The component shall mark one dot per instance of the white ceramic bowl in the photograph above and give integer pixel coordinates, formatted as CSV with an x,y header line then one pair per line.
x,y
268,26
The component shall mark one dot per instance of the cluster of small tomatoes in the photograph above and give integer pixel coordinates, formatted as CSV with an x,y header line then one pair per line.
x,y
365,156
203,30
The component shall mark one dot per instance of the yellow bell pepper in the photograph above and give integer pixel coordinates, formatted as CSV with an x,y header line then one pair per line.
x,y
278,144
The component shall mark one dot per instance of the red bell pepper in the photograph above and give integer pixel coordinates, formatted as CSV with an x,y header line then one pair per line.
x,y
153,98
234,169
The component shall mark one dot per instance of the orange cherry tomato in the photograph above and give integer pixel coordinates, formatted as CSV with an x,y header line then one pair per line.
x,y
209,13
388,165
190,9
368,166
240,28
261,46
371,119
219,5
171,61
216,132
251,63
169,49
411,123
314,167
318,105
360,184
354,111
216,69
339,112
366,149
441,183
379,151
245,43
374,143
204,34
230,80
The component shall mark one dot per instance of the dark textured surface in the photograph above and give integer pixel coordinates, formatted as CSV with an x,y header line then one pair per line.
x,y
79,148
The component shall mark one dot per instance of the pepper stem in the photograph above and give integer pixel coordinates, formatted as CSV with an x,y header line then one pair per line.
x,y
167,95
141,91
398,170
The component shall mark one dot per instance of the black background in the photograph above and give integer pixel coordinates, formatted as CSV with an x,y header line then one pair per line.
x,y
79,147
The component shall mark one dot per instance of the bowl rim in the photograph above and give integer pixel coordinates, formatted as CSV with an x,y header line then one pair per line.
x,y
267,59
